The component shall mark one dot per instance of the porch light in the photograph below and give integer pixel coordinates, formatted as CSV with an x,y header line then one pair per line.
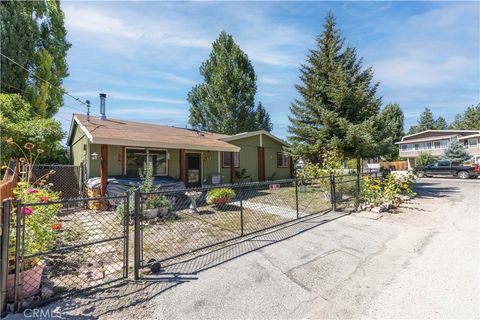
x,y
94,156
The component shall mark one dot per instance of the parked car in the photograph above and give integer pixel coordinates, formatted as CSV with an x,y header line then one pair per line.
x,y
447,168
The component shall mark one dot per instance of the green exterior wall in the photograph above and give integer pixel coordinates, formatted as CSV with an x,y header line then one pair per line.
x,y
211,160
272,147
78,148
95,164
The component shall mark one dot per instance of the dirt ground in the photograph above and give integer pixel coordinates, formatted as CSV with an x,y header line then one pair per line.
x,y
421,262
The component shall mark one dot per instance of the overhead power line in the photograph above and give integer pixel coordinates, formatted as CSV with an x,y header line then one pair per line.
x,y
41,79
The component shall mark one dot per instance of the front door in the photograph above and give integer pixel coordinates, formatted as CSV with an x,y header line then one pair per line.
x,y
194,169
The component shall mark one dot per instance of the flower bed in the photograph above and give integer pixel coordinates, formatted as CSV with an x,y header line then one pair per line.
x,y
387,193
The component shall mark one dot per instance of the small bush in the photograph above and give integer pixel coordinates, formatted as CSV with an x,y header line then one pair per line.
x,y
214,195
424,158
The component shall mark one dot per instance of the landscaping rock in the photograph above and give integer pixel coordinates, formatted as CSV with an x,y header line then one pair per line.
x,y
46,292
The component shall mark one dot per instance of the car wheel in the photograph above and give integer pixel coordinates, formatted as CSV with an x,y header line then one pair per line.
x,y
463,175
421,174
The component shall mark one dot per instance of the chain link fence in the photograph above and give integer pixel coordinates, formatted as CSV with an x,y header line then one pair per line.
x,y
90,242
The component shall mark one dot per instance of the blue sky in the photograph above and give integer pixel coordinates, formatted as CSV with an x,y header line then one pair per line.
x,y
146,55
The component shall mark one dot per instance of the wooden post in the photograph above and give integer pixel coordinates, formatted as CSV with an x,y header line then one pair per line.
x,y
124,158
232,168
261,163
182,165
103,169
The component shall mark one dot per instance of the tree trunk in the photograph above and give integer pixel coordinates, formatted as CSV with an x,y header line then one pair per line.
x,y
358,165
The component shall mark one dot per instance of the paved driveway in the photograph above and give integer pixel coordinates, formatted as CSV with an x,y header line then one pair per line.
x,y
420,263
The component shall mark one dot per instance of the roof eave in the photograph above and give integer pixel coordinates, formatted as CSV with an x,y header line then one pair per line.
x,y
153,144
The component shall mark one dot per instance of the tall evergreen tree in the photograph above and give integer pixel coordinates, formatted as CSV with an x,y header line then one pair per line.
x,y
33,34
225,101
338,105
469,120
427,121
392,121
262,118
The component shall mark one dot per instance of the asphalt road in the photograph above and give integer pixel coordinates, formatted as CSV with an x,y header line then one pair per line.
x,y
423,262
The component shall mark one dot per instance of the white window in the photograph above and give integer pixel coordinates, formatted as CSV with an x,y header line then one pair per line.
x,y
136,160
226,159
282,160
437,144
472,143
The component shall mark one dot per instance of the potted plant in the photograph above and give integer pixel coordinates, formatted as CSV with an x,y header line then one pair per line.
x,y
220,196
157,205
42,227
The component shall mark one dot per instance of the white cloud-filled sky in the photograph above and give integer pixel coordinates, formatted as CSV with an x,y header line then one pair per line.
x,y
146,55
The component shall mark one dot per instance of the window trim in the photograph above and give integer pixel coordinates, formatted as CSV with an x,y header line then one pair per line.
x,y
287,157
228,166
147,150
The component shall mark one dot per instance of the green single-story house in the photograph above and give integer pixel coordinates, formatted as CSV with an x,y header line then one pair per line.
x,y
109,147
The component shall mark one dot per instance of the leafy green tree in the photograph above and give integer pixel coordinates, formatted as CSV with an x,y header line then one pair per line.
x,y
391,120
34,35
469,120
424,158
455,152
19,121
225,101
338,106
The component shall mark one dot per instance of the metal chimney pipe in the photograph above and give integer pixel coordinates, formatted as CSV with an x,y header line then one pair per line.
x,y
103,96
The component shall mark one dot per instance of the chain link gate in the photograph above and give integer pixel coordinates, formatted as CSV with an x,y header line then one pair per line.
x,y
86,248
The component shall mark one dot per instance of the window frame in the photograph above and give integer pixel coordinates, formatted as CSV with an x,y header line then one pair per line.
x,y
167,159
471,145
228,166
287,160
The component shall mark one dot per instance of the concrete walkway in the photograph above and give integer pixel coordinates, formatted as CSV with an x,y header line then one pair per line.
x,y
420,263
267,208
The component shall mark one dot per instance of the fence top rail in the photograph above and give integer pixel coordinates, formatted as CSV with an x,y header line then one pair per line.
x,y
55,165
219,186
74,200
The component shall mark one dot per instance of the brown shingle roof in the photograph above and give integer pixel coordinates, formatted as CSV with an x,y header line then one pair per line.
x,y
136,134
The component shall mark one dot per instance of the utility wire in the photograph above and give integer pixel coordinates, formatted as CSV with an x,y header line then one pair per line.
x,y
63,105
39,78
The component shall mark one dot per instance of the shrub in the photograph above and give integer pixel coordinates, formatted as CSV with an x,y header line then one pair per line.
x,y
214,195
41,223
376,191
424,158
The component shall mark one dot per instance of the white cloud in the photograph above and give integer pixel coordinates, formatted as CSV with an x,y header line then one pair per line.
x,y
413,70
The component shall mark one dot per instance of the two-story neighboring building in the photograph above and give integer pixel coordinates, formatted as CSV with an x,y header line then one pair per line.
x,y
435,142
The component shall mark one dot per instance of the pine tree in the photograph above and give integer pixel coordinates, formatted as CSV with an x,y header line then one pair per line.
x,y
34,35
392,122
428,122
225,101
262,118
338,105
455,152
440,124
469,120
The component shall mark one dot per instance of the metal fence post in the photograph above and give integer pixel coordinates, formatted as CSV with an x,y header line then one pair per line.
x,y
296,198
4,255
126,221
136,251
332,192
18,234
241,210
